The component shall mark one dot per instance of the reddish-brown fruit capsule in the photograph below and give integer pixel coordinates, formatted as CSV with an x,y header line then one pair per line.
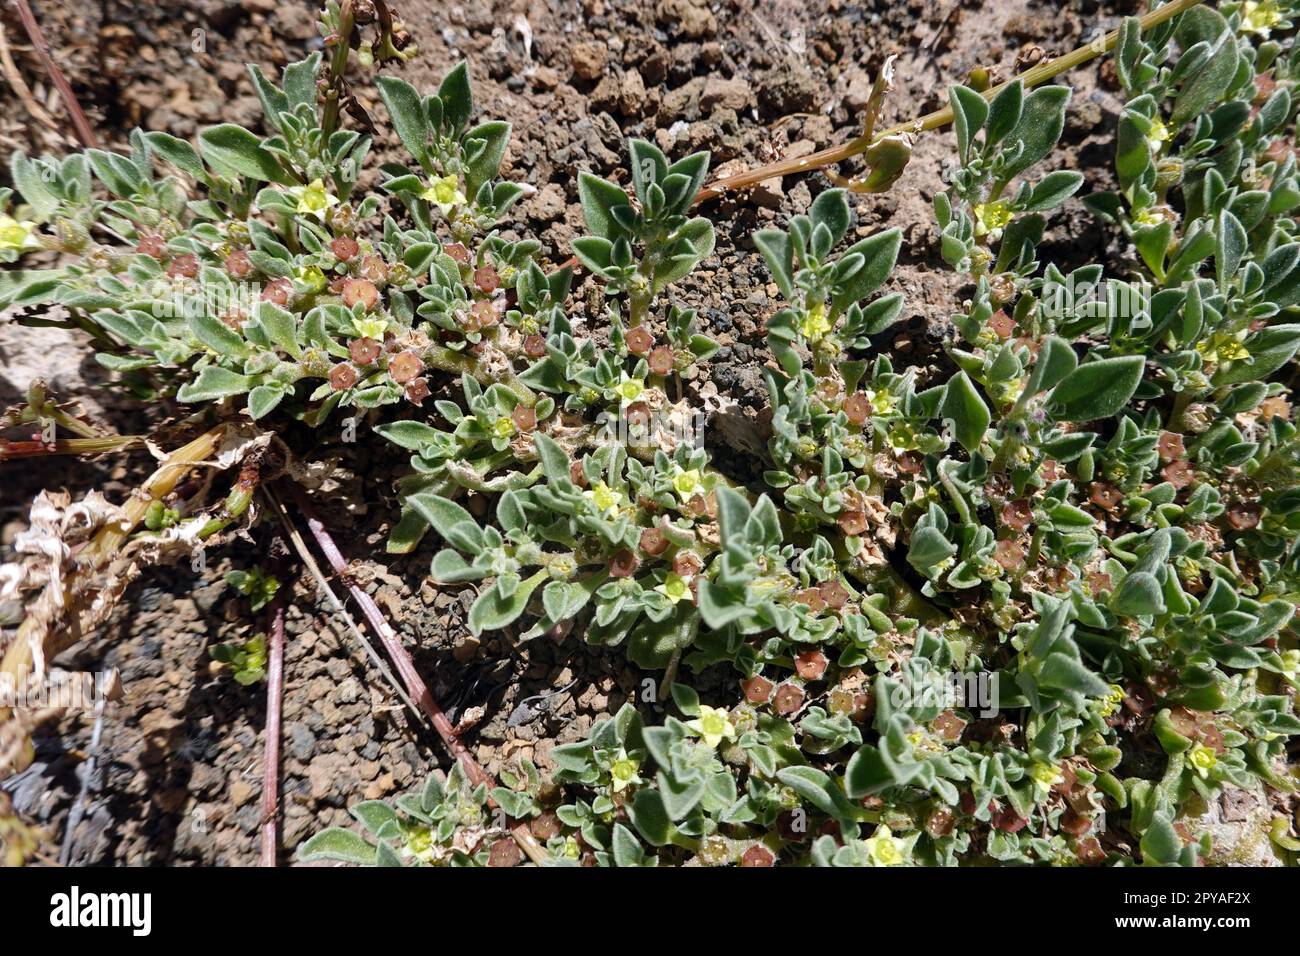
x,y
639,340
1180,474
458,252
577,475
623,564
417,390
485,316
1002,325
535,346
909,463
1089,852
967,803
1099,582
1075,824
757,855
687,564
1018,515
811,665
342,376
857,407
374,269
661,360
278,291
758,690
151,246
504,853
949,726
545,825
186,266
361,291
653,542
835,595
853,523
1008,821
344,248
1170,446
1009,555
486,278
940,822
404,366
364,351
524,417
788,699
638,415
1244,515
239,265
812,597
1104,496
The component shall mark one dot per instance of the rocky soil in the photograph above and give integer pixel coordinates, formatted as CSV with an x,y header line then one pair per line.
x,y
749,81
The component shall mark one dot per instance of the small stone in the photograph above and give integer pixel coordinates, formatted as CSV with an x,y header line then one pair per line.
x,y
240,792
589,59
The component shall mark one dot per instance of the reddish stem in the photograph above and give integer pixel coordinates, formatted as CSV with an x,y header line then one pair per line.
x,y
79,123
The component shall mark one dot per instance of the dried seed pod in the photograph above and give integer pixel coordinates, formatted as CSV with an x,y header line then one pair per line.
x,y
239,265
853,523
1018,515
457,252
758,855
623,564
1244,515
148,245
185,266
639,340
361,291
857,408
1170,446
577,475
524,418
788,699
485,315
811,665
535,346
504,853
417,390
404,366
812,597
344,248
687,564
835,594
1180,474
758,690
661,360
373,269
546,825
1009,554
342,376
278,291
364,351
486,279
653,542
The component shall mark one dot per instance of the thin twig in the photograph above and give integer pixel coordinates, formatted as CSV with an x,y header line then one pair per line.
x,y
88,772
836,154
36,111
405,664
274,710
79,123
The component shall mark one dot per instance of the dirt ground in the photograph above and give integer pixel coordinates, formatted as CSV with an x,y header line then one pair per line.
x,y
749,81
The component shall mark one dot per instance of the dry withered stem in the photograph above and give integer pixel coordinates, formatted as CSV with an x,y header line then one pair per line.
x,y
80,124
270,804
402,660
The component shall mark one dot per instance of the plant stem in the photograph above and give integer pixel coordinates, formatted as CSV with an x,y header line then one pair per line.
x,y
414,683
80,125
338,67
65,446
1030,78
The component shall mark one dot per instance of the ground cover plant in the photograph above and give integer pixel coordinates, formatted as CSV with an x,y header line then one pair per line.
x,y
1037,609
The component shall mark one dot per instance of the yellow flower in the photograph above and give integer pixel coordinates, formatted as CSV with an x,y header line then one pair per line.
x,y
606,499
630,389
445,194
623,771
503,427
686,483
1202,759
373,327
313,278
815,326
313,199
992,217
1045,776
1260,16
882,403
1222,347
713,725
1158,135
18,235
883,848
1110,703
1290,663
674,587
